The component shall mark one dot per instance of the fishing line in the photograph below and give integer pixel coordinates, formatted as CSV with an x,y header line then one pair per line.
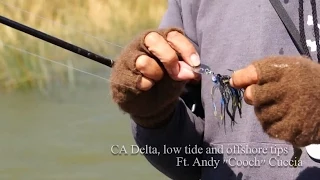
x,y
60,24
32,32
55,62
47,59
58,42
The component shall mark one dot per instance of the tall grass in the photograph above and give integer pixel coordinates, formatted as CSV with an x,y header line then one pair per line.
x,y
75,21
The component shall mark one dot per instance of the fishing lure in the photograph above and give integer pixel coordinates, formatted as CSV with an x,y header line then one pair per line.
x,y
231,98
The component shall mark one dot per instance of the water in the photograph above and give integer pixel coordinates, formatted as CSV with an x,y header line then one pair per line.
x,y
67,135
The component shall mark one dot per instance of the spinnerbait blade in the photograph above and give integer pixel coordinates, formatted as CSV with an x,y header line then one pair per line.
x,y
231,98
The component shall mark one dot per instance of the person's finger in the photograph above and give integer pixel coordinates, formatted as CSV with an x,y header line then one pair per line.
x,y
149,68
244,77
184,47
159,47
145,84
248,95
187,73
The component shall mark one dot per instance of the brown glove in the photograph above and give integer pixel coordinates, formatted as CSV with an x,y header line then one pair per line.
x,y
287,98
152,108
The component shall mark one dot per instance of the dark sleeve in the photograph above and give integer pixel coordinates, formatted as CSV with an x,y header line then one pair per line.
x,y
184,129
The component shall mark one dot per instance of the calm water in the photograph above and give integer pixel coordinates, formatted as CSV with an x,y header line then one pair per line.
x,y
67,134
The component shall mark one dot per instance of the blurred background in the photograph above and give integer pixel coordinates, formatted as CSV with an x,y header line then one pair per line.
x,y
57,119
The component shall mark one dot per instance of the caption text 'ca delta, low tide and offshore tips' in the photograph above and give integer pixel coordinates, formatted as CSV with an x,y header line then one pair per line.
x,y
233,155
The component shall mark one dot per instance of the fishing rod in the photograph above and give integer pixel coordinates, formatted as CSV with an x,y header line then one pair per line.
x,y
56,41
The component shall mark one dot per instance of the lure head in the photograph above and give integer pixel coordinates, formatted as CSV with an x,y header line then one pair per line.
x,y
202,69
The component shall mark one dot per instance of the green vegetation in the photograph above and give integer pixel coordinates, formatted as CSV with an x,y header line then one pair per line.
x,y
75,21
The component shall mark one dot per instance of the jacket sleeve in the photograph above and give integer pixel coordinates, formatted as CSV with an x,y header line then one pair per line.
x,y
184,129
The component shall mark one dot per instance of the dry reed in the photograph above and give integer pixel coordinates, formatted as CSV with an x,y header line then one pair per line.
x,y
73,20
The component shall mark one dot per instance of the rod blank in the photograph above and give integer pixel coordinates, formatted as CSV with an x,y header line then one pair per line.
x,y
56,41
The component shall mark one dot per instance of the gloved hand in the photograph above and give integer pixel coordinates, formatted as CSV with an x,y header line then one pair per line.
x,y
285,93
150,73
